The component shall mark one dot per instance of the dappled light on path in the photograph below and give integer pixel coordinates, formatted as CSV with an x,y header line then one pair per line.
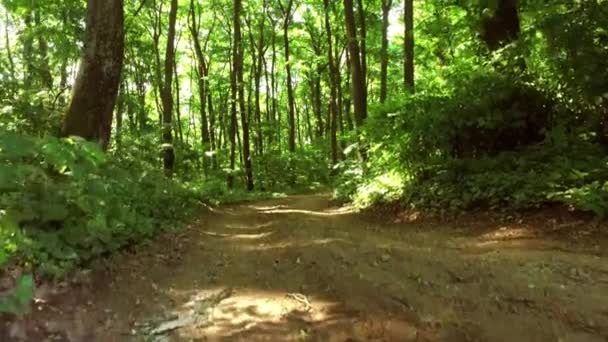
x,y
285,210
298,269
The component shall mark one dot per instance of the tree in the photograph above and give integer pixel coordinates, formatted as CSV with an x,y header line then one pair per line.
x,y
287,16
386,7
356,67
408,69
333,85
202,73
90,111
238,70
167,94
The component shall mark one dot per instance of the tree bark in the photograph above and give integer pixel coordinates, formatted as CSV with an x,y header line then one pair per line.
x,y
287,14
234,92
333,85
386,8
90,112
238,69
166,94
178,110
409,45
363,42
358,79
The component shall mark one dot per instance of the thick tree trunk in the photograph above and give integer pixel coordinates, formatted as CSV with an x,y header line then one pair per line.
x,y
386,8
166,95
90,112
408,70
358,78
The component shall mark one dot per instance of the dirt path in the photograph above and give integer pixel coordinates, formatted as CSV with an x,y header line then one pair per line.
x,y
297,269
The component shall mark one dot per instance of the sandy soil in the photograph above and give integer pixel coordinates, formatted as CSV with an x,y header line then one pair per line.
x,y
300,269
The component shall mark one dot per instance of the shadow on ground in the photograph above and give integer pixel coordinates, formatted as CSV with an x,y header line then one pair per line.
x,y
298,269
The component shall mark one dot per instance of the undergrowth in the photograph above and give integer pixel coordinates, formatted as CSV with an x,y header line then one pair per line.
x,y
63,202
492,142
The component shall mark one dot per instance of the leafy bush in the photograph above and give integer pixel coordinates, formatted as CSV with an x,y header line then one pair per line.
x,y
536,176
63,203
489,140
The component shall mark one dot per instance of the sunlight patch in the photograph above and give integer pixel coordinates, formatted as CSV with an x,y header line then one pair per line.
x,y
240,236
249,309
286,245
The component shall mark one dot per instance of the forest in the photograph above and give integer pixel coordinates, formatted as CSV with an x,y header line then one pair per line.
x,y
124,121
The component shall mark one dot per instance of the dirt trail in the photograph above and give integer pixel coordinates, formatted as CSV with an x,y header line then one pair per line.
x,y
298,269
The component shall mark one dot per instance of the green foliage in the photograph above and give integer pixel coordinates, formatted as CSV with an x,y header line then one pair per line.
x,y
63,203
519,127
306,169
536,176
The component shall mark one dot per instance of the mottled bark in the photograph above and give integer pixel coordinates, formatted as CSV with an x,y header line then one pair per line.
x,y
90,112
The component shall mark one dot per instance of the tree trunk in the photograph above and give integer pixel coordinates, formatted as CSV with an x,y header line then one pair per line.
x,y
386,8
178,110
234,91
363,43
238,70
333,85
212,117
166,95
120,114
202,73
273,81
258,76
90,112
287,13
357,78
409,45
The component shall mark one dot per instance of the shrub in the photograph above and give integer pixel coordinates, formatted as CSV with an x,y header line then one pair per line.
x,y
62,202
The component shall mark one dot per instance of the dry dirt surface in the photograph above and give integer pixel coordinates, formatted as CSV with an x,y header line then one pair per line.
x,y
300,269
